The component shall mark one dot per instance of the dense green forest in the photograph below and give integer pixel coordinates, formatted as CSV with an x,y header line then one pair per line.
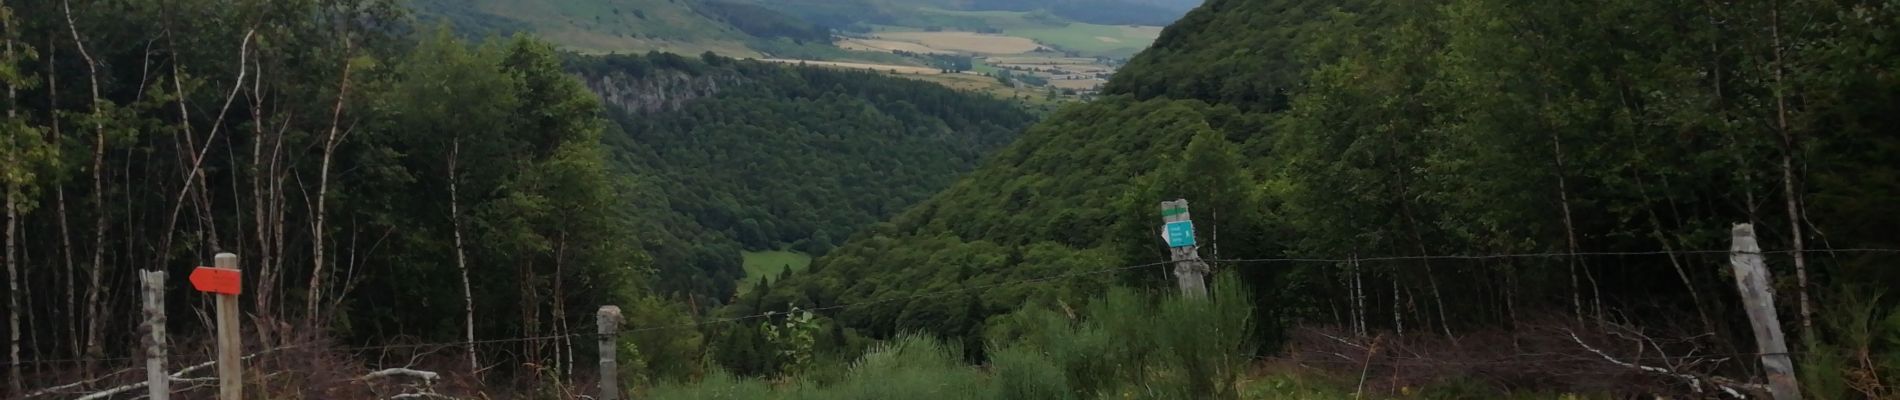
x,y
1425,199
1379,130
780,157
378,184
387,184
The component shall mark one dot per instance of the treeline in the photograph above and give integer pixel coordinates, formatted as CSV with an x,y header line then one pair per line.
x,y
1462,127
765,23
790,157
1104,12
378,183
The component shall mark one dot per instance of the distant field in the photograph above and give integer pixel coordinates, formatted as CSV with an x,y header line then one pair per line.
x,y
971,42
901,69
1092,40
1042,60
888,45
760,264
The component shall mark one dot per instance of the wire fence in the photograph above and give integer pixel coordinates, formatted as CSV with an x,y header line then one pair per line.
x,y
1042,279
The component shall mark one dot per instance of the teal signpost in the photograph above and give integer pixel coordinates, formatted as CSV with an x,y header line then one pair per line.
x,y
1181,234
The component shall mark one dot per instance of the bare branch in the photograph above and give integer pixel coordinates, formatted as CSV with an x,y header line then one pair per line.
x,y
1695,381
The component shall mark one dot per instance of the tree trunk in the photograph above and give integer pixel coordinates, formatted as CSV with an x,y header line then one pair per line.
x,y
461,257
1790,196
15,382
94,323
317,233
74,330
1398,325
560,308
1656,230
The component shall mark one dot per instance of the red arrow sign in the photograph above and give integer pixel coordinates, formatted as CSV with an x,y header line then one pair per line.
x,y
217,280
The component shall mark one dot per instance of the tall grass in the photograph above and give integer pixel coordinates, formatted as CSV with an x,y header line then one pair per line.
x,y
1858,354
1122,345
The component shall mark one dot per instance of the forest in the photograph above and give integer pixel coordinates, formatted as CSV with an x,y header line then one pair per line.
x,y
1463,199
379,182
777,157
1621,141
389,183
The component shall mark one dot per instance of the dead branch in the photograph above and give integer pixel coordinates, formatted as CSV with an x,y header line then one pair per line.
x,y
178,377
418,374
1695,381
61,388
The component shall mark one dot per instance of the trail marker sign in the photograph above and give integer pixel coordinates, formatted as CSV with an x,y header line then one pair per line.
x,y
1180,234
217,280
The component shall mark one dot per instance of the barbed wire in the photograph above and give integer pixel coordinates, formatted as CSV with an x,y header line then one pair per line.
x,y
1542,255
1069,275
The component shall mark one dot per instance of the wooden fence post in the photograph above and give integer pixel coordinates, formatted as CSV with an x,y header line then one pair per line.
x,y
157,383
1751,277
1178,232
230,339
608,320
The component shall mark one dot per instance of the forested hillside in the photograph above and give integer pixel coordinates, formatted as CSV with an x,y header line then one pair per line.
x,y
1620,139
378,188
744,155
602,26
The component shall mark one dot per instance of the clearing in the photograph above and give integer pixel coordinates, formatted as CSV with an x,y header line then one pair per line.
x,y
896,69
970,42
888,46
761,264
1091,40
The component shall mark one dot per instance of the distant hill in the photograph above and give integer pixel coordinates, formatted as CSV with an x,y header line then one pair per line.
x,y
746,155
859,14
627,26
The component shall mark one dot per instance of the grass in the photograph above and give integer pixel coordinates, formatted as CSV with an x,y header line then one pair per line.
x,y
1090,39
1083,38
761,264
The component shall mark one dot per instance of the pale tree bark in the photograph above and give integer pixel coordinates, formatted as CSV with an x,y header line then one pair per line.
x,y
1398,325
1790,196
267,200
317,233
560,309
1411,223
94,322
71,294
1656,230
461,256
1570,235
14,380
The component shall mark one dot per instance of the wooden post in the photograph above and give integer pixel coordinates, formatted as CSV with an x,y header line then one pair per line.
x,y
608,319
230,340
157,383
1751,277
1188,266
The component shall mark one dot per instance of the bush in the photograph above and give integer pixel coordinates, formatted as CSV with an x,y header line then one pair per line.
x,y
1124,345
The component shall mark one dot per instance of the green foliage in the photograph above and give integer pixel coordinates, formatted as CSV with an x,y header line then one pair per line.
x,y
603,26
1307,129
1860,358
756,156
1023,373
360,174
796,340
1125,345
773,263
765,23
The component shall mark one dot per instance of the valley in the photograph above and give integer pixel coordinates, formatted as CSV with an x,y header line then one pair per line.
x,y
950,199
1051,57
